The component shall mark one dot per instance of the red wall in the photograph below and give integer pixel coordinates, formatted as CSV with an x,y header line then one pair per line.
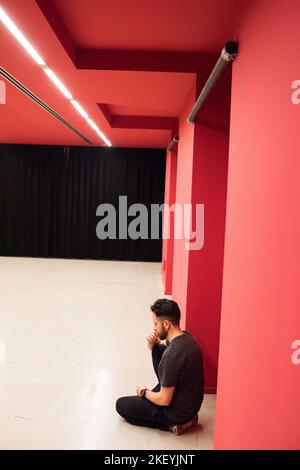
x,y
168,243
183,196
258,385
165,243
206,265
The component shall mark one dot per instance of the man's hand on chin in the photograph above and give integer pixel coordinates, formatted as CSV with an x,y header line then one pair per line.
x,y
152,340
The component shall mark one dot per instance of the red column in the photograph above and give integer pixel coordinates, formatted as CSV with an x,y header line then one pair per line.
x,y
168,243
202,179
185,157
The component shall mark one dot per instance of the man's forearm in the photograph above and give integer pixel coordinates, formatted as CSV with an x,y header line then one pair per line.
x,y
155,397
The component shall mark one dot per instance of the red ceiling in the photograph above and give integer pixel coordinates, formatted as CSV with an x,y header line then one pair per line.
x,y
65,31
161,25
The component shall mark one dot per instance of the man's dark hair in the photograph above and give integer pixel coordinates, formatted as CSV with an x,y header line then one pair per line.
x,y
168,309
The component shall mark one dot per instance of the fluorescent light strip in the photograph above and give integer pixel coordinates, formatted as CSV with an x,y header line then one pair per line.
x,y
20,37
103,137
58,83
100,133
38,59
92,124
80,109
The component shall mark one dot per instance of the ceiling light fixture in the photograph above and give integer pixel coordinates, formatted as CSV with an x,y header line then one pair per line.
x,y
79,109
92,124
38,59
20,37
103,137
100,133
58,83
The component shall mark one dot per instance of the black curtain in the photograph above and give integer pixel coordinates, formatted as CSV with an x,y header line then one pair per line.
x,y
49,196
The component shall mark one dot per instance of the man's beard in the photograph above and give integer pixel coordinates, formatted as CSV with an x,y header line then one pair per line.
x,y
163,334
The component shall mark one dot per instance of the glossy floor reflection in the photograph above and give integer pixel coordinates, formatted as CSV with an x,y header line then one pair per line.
x,y
73,341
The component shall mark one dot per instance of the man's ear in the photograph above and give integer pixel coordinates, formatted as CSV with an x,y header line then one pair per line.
x,y
166,324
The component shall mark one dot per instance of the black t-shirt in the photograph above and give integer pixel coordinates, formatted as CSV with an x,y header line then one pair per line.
x,y
181,366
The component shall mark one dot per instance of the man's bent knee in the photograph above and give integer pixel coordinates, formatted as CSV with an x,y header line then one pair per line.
x,y
120,406
131,408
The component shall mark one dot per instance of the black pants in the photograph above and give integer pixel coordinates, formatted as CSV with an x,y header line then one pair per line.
x,y
140,411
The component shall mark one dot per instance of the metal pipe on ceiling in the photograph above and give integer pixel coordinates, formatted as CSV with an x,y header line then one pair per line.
x,y
173,143
5,74
228,54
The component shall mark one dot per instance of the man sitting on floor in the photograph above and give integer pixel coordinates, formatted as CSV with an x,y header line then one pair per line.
x,y
175,401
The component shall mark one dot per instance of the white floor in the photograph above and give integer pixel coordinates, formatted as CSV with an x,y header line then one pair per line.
x,y
72,340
